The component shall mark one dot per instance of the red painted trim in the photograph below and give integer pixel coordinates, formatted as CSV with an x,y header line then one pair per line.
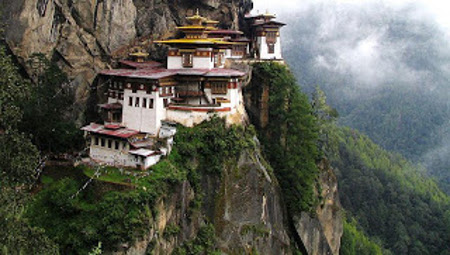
x,y
195,109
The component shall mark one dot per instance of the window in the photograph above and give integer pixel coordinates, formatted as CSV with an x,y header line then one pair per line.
x,y
96,140
103,142
187,60
130,101
150,105
117,117
218,60
136,104
116,145
271,36
166,102
109,143
271,39
271,48
144,102
219,88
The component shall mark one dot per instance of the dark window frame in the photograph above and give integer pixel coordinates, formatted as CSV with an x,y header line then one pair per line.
x,y
188,59
151,103
144,102
136,102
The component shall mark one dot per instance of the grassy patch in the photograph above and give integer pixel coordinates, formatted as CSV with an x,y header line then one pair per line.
x,y
165,171
112,175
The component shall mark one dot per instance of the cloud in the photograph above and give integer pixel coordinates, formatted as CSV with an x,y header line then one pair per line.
x,y
364,53
369,45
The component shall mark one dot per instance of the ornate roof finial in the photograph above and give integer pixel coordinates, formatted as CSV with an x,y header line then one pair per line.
x,y
198,13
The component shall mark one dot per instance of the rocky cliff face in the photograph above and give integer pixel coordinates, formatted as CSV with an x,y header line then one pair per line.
x,y
249,215
244,205
322,234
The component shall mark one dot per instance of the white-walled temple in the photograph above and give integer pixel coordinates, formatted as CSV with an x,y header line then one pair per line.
x,y
144,98
265,34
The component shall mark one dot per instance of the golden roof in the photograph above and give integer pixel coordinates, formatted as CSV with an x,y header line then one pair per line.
x,y
211,28
210,41
139,54
210,21
191,27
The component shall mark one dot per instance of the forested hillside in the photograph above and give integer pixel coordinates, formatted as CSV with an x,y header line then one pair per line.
x,y
391,198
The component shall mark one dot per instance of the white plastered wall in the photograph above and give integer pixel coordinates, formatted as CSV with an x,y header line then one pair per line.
x,y
110,156
120,157
203,63
174,62
264,51
145,120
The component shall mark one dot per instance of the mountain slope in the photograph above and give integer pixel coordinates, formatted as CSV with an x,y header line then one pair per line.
x,y
391,198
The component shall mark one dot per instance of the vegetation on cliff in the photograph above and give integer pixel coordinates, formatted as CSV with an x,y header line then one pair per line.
x,y
78,222
290,138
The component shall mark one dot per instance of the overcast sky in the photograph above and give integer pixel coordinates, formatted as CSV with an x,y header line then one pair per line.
x,y
437,9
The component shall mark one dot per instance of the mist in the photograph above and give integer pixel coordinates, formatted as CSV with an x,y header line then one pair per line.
x,y
384,65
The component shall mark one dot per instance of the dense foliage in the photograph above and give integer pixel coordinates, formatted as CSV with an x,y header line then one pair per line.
x,y
391,199
16,234
48,108
18,163
354,242
78,223
211,143
290,138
